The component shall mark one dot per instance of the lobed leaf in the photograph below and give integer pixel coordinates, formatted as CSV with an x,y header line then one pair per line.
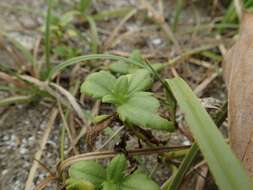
x,y
139,81
120,90
78,184
88,171
122,68
115,170
141,109
109,185
128,68
126,92
98,84
89,175
139,181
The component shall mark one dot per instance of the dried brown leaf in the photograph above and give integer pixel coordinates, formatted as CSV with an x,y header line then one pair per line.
x,y
238,74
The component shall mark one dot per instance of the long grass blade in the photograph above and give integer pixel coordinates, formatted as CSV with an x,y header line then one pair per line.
x,y
114,13
91,57
94,35
219,117
225,167
178,11
84,5
15,100
25,52
47,36
175,184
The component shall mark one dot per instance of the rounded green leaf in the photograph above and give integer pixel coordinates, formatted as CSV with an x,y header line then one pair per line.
x,y
122,68
78,184
141,109
100,118
88,171
109,185
98,84
139,81
110,99
115,170
139,181
120,90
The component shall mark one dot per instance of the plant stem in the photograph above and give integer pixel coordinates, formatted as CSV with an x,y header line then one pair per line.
x,y
179,7
185,165
84,5
47,36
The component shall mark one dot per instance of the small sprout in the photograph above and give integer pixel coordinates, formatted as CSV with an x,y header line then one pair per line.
x,y
133,104
112,178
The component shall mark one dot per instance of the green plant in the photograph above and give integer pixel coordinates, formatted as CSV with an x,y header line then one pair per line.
x,y
210,141
47,36
84,5
126,68
231,15
134,105
89,175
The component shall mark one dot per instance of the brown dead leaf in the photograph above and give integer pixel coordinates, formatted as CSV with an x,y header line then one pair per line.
x,y
238,74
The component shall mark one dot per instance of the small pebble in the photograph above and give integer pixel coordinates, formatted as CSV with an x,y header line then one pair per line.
x,y
156,41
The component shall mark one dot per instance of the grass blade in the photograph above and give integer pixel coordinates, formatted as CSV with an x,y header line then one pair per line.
x,y
94,35
25,52
175,184
84,5
179,7
114,13
219,117
231,16
47,36
225,167
15,100
91,57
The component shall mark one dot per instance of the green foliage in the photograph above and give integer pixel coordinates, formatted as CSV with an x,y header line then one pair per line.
x,y
91,57
98,84
231,15
178,177
127,93
139,181
88,171
48,37
64,51
108,185
225,167
125,68
140,109
115,170
84,5
179,7
83,177
74,184
94,41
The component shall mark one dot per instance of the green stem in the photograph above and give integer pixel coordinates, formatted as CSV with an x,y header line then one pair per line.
x,y
185,165
84,5
179,7
94,35
47,36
